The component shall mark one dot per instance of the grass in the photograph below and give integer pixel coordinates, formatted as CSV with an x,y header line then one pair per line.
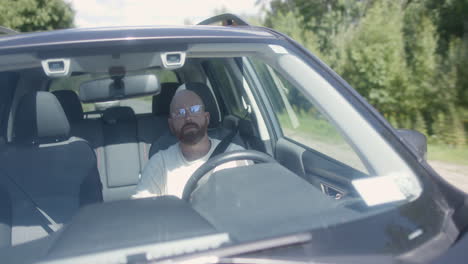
x,y
315,127
320,129
456,155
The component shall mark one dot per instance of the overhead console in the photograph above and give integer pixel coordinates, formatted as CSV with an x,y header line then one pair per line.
x,y
131,61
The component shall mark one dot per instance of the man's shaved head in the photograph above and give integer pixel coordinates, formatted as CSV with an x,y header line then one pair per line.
x,y
182,97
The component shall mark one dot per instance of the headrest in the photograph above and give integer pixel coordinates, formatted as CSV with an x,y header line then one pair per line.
x,y
40,119
118,114
71,104
208,99
162,101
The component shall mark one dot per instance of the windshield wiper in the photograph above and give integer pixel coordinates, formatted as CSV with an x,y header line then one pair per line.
x,y
245,260
227,254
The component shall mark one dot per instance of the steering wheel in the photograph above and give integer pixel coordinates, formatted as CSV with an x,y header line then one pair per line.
x,y
217,160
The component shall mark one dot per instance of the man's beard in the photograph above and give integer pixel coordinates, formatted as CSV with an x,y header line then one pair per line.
x,y
192,136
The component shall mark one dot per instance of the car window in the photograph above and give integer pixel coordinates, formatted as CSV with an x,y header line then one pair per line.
x,y
301,121
227,84
140,105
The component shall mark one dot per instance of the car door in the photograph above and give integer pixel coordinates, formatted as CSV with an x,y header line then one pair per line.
x,y
306,141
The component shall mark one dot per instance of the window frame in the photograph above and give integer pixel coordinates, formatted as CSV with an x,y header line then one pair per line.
x,y
208,67
11,80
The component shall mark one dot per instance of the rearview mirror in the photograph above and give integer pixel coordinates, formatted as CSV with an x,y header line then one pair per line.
x,y
416,140
117,88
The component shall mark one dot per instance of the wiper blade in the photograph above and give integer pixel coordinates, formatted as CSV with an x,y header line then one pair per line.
x,y
225,254
242,260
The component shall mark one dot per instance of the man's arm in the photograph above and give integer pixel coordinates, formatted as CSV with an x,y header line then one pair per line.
x,y
152,179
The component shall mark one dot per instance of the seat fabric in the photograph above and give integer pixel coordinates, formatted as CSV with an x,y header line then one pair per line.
x,y
44,167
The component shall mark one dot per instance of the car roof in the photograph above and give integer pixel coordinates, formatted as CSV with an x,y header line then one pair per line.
x,y
197,33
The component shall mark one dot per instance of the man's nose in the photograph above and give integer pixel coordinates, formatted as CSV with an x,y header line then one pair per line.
x,y
188,116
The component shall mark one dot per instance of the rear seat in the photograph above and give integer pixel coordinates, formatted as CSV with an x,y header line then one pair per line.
x,y
114,140
121,152
153,126
123,142
120,139
88,129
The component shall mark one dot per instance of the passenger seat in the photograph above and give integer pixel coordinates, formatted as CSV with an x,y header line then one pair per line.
x,y
47,168
87,129
119,141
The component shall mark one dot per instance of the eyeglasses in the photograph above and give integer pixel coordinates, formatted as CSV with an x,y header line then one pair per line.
x,y
193,110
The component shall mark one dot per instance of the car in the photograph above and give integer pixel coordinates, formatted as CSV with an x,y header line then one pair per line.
x,y
331,181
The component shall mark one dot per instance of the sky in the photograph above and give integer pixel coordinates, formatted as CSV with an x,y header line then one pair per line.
x,y
89,13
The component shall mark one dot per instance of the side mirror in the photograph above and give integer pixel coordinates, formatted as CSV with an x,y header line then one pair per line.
x,y
416,140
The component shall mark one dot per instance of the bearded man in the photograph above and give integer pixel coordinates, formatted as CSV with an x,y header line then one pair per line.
x,y
168,171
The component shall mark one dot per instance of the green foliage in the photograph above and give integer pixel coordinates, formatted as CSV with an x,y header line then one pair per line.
x,y
375,59
439,126
35,15
457,136
456,62
420,49
420,124
405,122
289,24
407,58
392,119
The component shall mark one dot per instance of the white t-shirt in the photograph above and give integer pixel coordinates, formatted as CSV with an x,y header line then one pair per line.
x,y
171,166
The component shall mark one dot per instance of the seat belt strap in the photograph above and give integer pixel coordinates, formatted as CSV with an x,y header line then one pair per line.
x,y
50,225
224,144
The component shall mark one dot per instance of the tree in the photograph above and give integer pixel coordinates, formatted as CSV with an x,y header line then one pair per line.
x,y
329,20
408,58
35,15
452,26
420,38
375,62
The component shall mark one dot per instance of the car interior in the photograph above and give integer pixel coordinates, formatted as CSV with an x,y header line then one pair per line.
x,y
60,153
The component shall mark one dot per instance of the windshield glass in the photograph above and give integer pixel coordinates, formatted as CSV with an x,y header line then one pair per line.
x,y
144,173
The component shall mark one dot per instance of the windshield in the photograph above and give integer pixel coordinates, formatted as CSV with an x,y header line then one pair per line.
x,y
115,177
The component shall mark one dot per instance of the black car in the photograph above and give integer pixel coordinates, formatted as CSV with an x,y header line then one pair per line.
x,y
331,181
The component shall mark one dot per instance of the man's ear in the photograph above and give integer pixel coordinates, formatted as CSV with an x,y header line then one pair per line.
x,y
171,125
207,116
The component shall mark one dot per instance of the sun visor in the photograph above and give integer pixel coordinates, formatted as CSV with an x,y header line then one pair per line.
x,y
118,88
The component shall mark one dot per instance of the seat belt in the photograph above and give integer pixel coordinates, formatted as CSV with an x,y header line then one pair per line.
x,y
224,144
226,141
43,215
